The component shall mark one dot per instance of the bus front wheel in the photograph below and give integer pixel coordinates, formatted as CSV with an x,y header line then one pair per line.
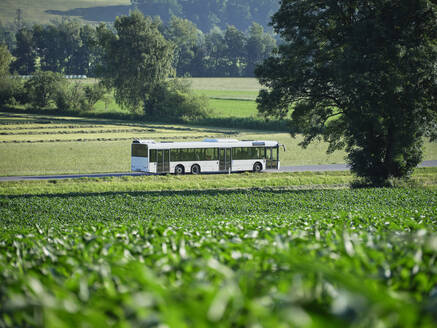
x,y
257,167
179,169
195,169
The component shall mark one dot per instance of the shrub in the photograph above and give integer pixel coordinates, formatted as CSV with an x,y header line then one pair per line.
x,y
175,100
43,87
12,91
71,97
94,93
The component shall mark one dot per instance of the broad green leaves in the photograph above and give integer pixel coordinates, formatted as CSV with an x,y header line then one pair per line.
x,y
229,258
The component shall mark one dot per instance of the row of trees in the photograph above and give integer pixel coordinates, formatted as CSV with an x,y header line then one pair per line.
x,y
207,14
45,89
135,63
71,48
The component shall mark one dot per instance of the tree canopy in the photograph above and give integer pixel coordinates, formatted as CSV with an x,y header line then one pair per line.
x,y
207,14
136,61
360,74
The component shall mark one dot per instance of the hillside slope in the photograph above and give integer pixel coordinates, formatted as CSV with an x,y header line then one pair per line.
x,y
42,11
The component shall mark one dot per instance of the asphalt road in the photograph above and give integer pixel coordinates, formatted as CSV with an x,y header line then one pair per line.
x,y
303,168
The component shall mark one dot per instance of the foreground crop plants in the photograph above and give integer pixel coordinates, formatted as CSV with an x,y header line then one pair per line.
x,y
246,258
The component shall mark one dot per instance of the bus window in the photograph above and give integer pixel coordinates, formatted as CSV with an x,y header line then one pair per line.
x,y
209,154
261,152
139,150
153,156
176,155
275,154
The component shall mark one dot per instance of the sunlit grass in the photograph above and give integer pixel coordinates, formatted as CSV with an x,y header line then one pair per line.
x,y
36,11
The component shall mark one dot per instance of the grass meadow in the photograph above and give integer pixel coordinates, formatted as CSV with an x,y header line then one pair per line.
x,y
43,11
228,97
33,144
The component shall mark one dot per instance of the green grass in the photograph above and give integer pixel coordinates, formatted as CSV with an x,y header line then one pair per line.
x,y
225,84
273,258
238,100
43,144
35,11
279,181
228,94
233,108
229,97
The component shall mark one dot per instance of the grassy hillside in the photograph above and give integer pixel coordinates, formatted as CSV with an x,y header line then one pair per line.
x,y
42,11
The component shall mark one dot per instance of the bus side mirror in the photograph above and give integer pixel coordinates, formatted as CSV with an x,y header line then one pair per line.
x,y
283,147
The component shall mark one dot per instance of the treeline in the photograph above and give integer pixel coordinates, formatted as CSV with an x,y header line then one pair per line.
x,y
69,47
207,14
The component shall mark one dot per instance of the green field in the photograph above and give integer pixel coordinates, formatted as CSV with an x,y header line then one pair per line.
x,y
238,250
41,144
43,11
228,97
263,258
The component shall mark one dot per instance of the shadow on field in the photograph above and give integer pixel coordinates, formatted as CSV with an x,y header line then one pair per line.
x,y
207,192
104,13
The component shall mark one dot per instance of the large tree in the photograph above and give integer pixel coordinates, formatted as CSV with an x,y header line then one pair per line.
x,y
360,74
24,52
186,37
259,46
136,62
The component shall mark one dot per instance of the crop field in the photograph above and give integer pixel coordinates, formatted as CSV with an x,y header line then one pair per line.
x,y
241,258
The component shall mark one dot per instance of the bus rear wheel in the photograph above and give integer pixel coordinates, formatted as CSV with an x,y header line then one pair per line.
x,y
195,169
179,170
257,167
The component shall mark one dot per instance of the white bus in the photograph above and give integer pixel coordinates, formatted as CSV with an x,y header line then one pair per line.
x,y
209,155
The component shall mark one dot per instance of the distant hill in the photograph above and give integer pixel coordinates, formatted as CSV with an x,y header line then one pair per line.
x,y
204,13
209,13
43,11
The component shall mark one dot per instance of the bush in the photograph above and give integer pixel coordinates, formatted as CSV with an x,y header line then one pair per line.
x,y
175,100
71,97
94,93
43,88
12,91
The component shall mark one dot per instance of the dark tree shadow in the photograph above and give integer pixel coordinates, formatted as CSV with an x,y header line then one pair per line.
x,y
104,13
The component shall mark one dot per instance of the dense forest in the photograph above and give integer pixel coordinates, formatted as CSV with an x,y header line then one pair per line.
x,y
207,14
72,48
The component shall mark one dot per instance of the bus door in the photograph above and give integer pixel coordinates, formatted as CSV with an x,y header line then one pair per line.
x,y
272,157
225,159
163,161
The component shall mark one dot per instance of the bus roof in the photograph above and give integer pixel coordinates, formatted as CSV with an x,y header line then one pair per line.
x,y
207,143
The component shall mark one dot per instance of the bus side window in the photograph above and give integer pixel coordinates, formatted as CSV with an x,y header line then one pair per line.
x,y
153,155
209,154
269,153
261,152
275,154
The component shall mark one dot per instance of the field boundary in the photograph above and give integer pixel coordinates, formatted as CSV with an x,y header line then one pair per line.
x,y
285,169
228,122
